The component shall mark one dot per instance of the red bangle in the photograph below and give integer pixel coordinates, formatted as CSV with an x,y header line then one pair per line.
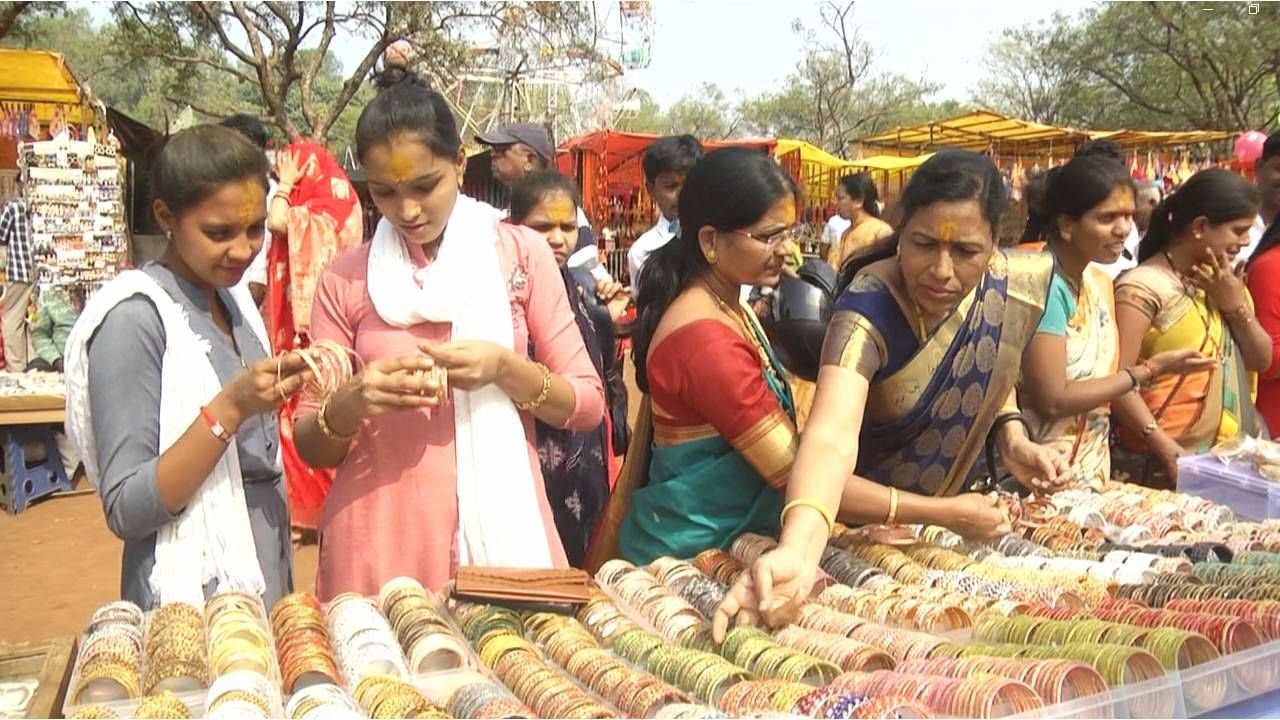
x,y
218,429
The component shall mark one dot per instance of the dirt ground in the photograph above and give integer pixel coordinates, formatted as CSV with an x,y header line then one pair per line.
x,y
59,562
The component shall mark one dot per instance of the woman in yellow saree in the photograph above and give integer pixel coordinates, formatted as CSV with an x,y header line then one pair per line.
x,y
1071,370
918,371
1186,293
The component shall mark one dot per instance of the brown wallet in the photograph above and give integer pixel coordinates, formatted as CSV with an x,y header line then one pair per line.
x,y
523,585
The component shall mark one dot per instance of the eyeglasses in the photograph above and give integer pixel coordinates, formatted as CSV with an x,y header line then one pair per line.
x,y
793,233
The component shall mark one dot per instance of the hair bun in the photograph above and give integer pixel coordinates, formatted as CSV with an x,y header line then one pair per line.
x,y
394,75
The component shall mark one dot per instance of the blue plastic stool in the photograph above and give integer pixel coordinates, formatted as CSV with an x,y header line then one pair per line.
x,y
21,484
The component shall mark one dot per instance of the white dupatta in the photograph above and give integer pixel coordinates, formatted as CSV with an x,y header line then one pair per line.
x,y
499,521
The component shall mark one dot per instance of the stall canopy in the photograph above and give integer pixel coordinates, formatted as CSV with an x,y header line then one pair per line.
x,y
41,78
987,130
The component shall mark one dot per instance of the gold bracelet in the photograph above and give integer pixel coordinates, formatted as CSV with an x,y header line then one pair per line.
x,y
812,505
328,431
536,403
893,506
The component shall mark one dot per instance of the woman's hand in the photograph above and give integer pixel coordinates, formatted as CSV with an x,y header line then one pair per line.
x,y
974,516
1224,286
1177,362
774,589
614,296
471,364
1166,451
264,386
288,170
384,387
1040,468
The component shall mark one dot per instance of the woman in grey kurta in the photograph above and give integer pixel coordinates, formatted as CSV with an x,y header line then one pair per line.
x,y
124,391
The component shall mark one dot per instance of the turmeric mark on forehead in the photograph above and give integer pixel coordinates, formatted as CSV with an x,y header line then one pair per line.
x,y
946,232
400,166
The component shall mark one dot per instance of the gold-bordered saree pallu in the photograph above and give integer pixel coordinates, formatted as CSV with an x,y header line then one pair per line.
x,y
931,405
711,452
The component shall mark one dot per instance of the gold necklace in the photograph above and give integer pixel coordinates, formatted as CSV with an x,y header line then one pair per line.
x,y
745,324
1206,318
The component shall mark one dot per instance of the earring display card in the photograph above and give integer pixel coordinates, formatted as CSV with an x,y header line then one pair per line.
x,y
77,212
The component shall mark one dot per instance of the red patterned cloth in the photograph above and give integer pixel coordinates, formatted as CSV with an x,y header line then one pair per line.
x,y
325,219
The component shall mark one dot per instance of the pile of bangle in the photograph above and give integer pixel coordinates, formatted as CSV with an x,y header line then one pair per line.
x,y
385,696
110,661
1054,680
719,566
754,650
330,365
363,641
545,689
637,694
419,622
687,581
243,694
237,630
754,698
980,696
604,619
703,675
670,615
175,650
302,642
485,699
847,569
1176,649
323,701
926,609
164,706
844,653
749,547
93,712
1228,634
1265,614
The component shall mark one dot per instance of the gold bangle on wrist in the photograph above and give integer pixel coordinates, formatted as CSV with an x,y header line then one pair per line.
x,y
893,507
536,403
326,429
812,505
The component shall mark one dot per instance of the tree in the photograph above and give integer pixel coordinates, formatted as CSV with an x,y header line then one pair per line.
x,y
646,118
1150,65
282,50
835,95
705,113
16,17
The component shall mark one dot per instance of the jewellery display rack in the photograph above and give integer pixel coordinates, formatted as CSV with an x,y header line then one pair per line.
x,y
75,199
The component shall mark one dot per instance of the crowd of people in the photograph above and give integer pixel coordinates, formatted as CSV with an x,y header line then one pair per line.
x,y
450,392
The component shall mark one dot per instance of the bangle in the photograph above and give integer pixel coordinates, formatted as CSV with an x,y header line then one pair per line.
x,y
893,506
326,429
536,403
1133,377
1151,371
813,505
217,428
1242,312
281,192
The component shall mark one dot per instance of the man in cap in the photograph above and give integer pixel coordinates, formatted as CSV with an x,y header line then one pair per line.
x,y
518,149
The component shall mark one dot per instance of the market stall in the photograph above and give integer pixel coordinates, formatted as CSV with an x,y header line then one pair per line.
x,y
39,97
607,166
32,406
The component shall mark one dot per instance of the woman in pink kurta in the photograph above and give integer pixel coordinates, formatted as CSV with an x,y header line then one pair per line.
x,y
409,497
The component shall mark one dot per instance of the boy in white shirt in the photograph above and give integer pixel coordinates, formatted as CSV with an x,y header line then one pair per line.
x,y
666,163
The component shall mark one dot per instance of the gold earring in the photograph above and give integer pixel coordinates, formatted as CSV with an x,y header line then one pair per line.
x,y
712,256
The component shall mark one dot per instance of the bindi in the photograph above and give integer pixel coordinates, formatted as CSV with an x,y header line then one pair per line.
x,y
251,202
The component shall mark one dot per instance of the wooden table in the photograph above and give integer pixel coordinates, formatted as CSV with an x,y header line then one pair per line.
x,y
33,409
49,663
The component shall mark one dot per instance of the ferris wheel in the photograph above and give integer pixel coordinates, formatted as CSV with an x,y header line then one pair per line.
x,y
530,77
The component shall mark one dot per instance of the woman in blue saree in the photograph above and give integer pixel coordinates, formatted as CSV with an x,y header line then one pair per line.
x,y
918,369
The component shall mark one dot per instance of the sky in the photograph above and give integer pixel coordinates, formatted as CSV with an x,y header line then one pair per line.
x,y
747,46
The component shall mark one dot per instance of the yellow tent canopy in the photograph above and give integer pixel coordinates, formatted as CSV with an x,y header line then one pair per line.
x,y
980,129
890,163
41,78
809,153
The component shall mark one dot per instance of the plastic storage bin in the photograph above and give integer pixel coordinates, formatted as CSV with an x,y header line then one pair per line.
x,y
1235,485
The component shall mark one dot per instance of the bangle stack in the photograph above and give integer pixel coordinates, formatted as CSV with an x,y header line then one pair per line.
x,y
543,394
